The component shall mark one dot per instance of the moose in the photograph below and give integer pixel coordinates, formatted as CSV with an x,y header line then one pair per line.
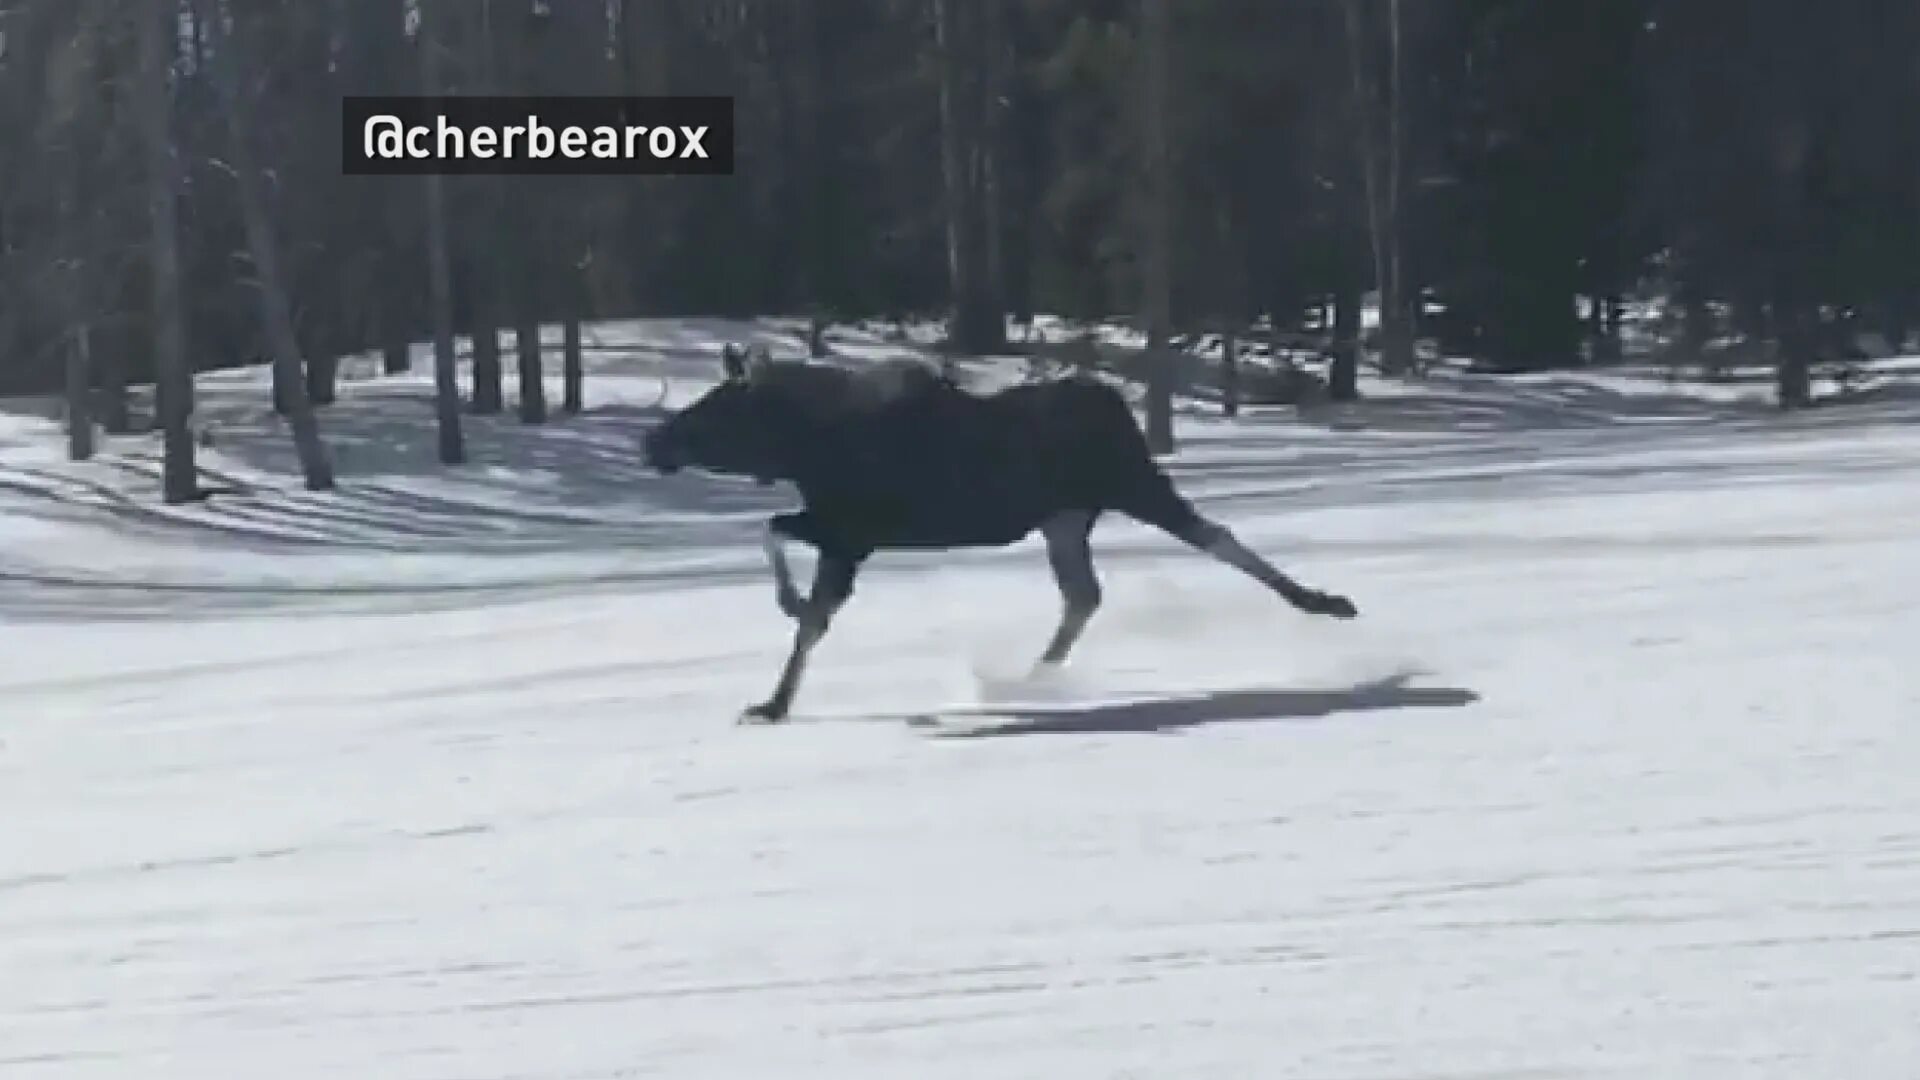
x,y
895,456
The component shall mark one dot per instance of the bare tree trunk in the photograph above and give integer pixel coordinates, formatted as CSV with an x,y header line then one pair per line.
x,y
173,381
109,363
1794,304
976,327
1369,150
67,109
488,397
1381,183
1343,376
488,374
315,464
1396,309
396,356
804,150
79,387
532,251
992,149
573,366
446,381
1793,367
1230,368
946,25
276,314
1233,285
817,336
1605,313
533,389
1158,239
323,376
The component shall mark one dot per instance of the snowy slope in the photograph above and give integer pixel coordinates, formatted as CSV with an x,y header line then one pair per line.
x,y
438,776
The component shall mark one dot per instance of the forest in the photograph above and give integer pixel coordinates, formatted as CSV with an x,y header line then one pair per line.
x,y
1498,179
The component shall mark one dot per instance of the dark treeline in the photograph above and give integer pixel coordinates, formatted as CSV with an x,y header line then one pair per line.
x,y
1523,163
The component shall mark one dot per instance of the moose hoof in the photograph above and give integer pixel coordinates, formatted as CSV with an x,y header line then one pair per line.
x,y
766,712
1337,606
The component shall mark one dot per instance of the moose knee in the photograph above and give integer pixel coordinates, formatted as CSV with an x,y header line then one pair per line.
x,y
1079,587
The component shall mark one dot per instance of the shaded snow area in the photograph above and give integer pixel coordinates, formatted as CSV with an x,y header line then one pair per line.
x,y
1617,775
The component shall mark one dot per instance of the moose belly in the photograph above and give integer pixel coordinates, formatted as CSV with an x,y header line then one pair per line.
x,y
957,534
954,499
931,524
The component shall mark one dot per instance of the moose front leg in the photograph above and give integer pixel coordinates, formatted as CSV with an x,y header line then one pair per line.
x,y
832,585
775,545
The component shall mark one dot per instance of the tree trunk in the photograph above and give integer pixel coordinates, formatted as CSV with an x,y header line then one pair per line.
x,y
1230,369
1343,375
976,328
488,396
573,399
1381,184
992,190
1233,287
532,248
817,337
1895,322
110,364
1612,349
396,323
1794,302
1158,239
533,390
1793,367
79,392
446,381
67,110
173,380
276,314
1696,323
488,372
396,356
1396,307
323,377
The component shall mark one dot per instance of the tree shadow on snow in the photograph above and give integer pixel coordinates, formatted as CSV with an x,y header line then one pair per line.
x,y
1175,712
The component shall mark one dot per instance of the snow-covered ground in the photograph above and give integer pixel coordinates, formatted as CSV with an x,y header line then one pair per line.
x,y
438,776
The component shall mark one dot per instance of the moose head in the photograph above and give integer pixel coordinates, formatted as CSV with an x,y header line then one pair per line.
x,y
735,428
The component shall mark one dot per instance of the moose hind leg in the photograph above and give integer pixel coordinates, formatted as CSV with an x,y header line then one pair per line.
x,y
1218,541
1071,558
832,585
1151,498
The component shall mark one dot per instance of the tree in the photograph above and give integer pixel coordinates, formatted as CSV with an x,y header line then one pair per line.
x,y
173,378
446,382
978,324
72,109
1382,154
487,210
1157,210
530,243
276,314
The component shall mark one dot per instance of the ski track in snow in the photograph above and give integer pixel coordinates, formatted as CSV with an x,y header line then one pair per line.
x,y
439,777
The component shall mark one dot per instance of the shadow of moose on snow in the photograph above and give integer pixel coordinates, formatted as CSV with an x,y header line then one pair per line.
x,y
1174,712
